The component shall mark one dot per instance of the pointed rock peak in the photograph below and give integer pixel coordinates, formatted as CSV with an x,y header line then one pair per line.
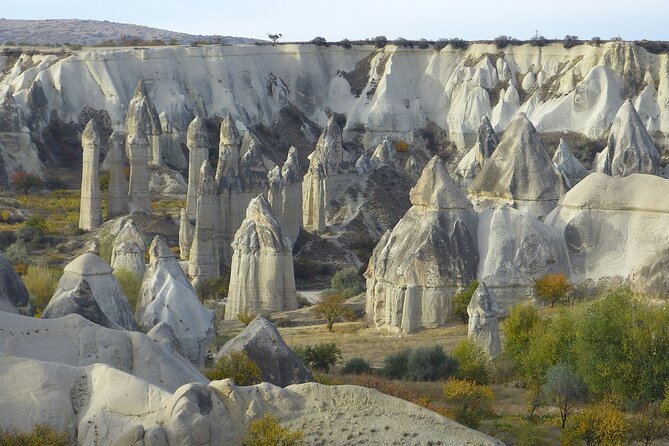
x,y
363,165
483,302
627,112
384,152
260,228
436,189
197,137
90,135
88,264
291,170
487,139
275,179
332,128
259,210
159,249
130,231
522,136
648,79
140,89
253,157
207,180
229,135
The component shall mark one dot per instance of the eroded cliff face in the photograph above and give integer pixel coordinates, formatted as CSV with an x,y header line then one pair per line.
x,y
381,91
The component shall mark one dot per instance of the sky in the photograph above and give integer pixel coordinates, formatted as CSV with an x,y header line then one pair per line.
x,y
302,20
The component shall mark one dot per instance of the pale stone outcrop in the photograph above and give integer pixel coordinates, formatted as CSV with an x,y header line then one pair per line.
x,y
411,167
483,326
470,165
568,165
650,278
198,152
137,147
90,213
17,151
262,342
291,217
14,296
129,250
167,296
363,165
417,267
329,168
262,279
185,235
613,224
630,148
170,144
519,173
117,193
142,112
385,154
106,290
204,257
275,192
78,300
515,248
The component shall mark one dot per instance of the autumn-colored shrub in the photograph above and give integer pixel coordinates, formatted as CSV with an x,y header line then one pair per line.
x,y
25,182
245,317
468,401
267,431
473,362
237,366
553,288
601,424
401,146
41,435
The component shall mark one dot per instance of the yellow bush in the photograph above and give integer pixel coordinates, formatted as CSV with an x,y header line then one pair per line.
x,y
245,317
42,434
599,424
401,146
267,431
237,366
552,288
41,282
130,284
469,402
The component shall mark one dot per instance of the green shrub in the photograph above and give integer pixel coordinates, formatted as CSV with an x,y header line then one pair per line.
x,y
319,357
267,431
347,282
105,246
518,327
41,282
245,317
130,285
468,401
473,362
461,301
429,364
17,252
563,389
237,366
395,365
356,366
332,307
41,435
214,289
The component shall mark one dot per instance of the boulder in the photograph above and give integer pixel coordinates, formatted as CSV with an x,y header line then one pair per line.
x,y
261,273
78,301
263,344
483,326
129,250
519,173
167,296
14,296
428,256
106,290
568,165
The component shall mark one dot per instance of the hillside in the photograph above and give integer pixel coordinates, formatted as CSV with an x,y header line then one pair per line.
x,y
92,32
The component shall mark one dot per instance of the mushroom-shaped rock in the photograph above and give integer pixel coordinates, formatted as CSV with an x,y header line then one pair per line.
x,y
510,259
630,148
142,113
90,213
137,147
204,257
519,172
117,192
261,276
197,141
78,301
185,235
613,224
262,342
568,165
431,252
483,327
14,296
129,250
167,296
291,217
106,290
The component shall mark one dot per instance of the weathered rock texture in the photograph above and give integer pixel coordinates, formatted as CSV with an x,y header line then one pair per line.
x,y
167,296
117,193
515,248
519,173
385,154
261,275
17,151
630,148
612,224
204,257
198,152
185,235
106,290
330,166
170,144
79,301
483,326
262,342
129,250
650,278
137,147
473,161
285,195
417,267
90,212
13,293
568,165
141,111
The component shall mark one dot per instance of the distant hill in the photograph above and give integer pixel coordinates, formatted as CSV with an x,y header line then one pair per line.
x,y
92,32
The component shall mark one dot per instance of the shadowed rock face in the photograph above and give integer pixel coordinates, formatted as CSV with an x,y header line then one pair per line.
x,y
262,342
417,267
129,250
568,165
261,276
78,301
285,195
142,113
630,148
90,213
198,152
519,173
13,293
483,327
117,193
473,161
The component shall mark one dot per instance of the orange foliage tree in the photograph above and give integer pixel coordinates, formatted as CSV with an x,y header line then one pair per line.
x,y
553,288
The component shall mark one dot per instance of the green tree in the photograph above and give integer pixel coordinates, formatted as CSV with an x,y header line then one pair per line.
x,y
332,307
461,301
274,37
602,424
563,389
648,425
473,362
347,282
469,402
518,329
319,357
